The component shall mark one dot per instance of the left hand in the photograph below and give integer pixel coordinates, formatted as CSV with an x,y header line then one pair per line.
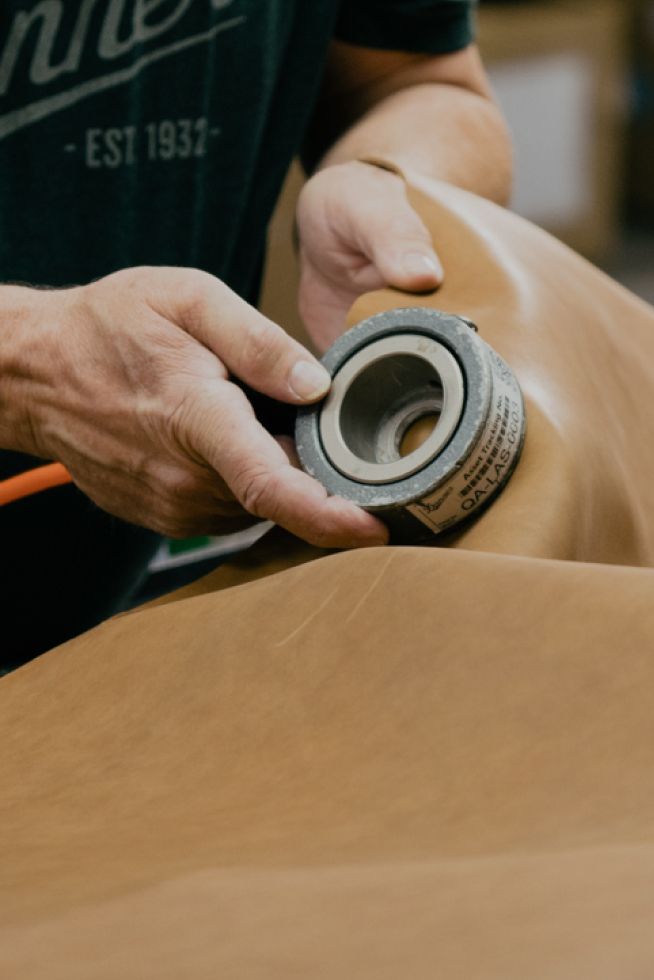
x,y
357,232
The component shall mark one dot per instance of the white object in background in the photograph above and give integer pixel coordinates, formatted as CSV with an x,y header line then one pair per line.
x,y
548,102
226,544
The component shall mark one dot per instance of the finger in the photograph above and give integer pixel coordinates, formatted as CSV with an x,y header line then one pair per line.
x,y
222,427
323,306
287,444
252,347
393,236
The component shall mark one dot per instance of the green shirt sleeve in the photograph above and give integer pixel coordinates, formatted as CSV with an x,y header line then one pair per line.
x,y
430,26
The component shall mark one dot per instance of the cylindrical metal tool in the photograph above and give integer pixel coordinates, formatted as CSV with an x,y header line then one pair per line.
x,y
423,425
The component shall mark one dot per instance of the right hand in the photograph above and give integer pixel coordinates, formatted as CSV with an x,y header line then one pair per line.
x,y
126,381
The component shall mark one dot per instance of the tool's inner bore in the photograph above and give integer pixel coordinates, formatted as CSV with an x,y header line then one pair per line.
x,y
417,433
391,408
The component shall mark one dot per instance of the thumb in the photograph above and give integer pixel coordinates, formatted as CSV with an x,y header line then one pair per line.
x,y
400,246
253,348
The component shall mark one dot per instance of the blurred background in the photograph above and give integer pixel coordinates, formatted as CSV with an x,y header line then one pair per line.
x,y
576,81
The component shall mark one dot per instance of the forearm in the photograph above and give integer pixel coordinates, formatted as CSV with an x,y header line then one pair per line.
x,y
437,130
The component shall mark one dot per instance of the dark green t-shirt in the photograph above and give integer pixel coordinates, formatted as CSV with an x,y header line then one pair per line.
x,y
159,131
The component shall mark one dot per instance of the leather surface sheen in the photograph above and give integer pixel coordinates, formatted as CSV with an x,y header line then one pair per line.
x,y
399,762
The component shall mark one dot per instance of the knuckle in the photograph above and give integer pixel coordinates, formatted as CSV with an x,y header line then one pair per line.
x,y
255,491
191,294
187,417
194,301
265,347
182,487
179,418
131,281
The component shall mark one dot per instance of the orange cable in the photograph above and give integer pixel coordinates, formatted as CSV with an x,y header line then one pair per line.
x,y
33,481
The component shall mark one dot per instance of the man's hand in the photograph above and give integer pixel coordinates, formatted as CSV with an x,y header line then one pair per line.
x,y
357,232
127,382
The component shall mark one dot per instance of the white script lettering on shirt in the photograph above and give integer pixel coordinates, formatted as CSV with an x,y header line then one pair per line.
x,y
45,18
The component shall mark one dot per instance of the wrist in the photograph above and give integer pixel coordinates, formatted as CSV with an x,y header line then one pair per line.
x,y
27,366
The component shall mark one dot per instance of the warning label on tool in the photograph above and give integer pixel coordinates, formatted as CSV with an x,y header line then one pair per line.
x,y
490,462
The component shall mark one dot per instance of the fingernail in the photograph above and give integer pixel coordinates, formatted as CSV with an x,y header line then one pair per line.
x,y
309,380
418,264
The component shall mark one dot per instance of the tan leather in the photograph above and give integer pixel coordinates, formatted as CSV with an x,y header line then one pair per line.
x,y
401,762
583,350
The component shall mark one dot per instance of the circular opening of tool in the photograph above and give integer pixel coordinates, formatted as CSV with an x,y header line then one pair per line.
x,y
392,408
417,433
389,398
